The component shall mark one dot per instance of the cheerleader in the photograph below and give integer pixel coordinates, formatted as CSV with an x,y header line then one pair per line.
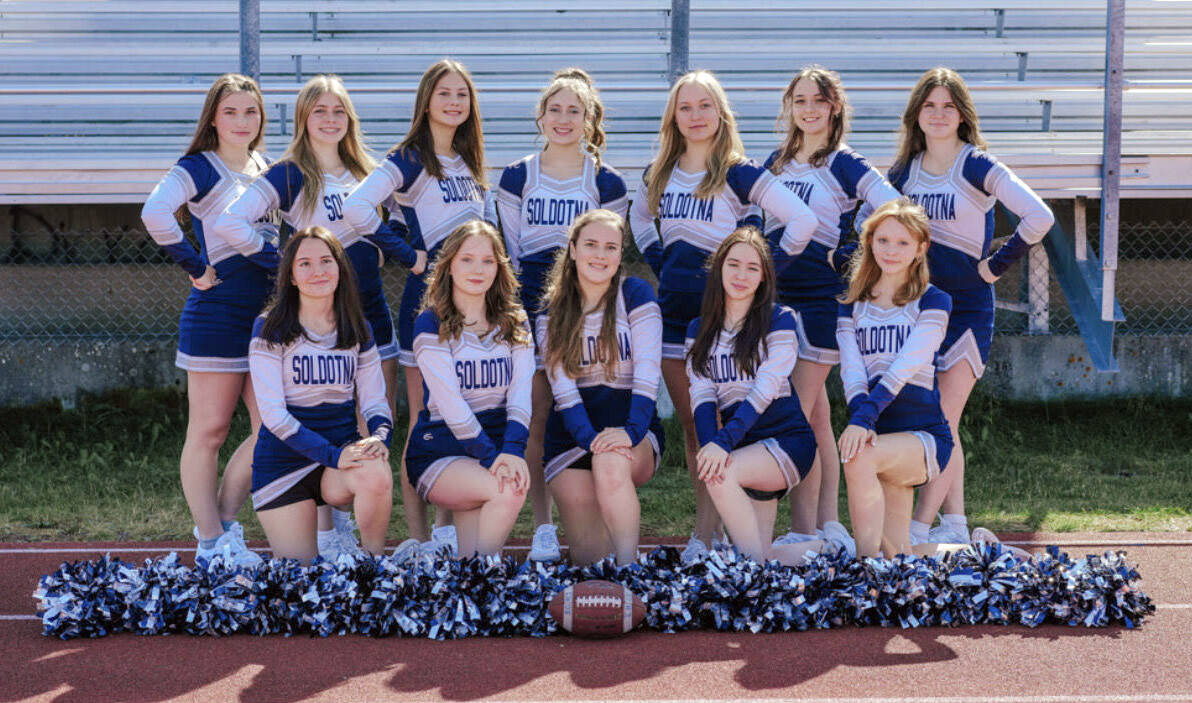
x,y
308,185
942,166
313,358
466,451
601,342
436,174
229,285
740,354
693,194
538,199
833,180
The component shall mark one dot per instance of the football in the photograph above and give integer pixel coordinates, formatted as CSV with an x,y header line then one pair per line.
x,y
597,609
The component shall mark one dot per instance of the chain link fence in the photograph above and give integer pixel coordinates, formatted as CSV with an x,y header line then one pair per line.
x,y
116,285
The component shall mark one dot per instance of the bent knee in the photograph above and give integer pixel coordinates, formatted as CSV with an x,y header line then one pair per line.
x,y
611,473
374,477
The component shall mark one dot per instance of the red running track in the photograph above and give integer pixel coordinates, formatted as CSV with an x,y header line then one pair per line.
x,y
959,665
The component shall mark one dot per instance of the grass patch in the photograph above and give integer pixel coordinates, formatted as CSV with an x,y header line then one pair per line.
x,y
108,470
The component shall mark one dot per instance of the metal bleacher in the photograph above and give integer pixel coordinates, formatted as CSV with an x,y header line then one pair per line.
x,y
98,98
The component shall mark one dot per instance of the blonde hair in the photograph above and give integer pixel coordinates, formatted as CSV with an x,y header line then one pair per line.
x,y
727,149
206,138
832,90
578,82
563,301
501,304
351,148
468,140
911,140
864,271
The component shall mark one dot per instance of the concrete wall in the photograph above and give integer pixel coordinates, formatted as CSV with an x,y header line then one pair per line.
x,y
1021,367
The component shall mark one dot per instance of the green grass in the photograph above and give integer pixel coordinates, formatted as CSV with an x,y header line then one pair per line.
x,y
108,470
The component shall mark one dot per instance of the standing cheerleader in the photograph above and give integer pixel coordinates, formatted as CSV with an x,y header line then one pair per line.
x,y
740,354
437,176
696,191
833,180
537,200
323,163
229,285
313,359
890,327
601,337
942,166
466,452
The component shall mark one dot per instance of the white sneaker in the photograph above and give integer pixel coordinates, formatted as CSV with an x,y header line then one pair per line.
x,y
794,538
407,550
545,546
835,535
982,534
695,548
445,535
946,534
231,546
333,544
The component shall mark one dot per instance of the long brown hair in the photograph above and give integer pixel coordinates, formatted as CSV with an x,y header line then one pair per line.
x,y
911,140
205,137
352,151
580,84
563,301
831,89
727,149
500,301
864,272
281,320
468,140
750,342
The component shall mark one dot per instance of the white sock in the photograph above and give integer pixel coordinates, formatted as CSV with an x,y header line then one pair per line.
x,y
443,532
324,534
546,526
919,531
954,520
340,519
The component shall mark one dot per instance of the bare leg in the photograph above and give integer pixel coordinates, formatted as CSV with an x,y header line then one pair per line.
x,y
749,467
956,385
897,459
808,380
466,485
237,476
829,459
707,521
414,508
369,490
539,497
211,400
290,530
574,491
616,479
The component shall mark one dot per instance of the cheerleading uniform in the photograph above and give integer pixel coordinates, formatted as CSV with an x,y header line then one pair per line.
x,y
590,402
690,228
280,188
476,400
536,211
887,366
307,392
431,207
960,205
809,286
216,324
758,408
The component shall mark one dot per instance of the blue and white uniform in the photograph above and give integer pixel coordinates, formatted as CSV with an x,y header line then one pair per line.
x,y
307,392
690,228
216,324
754,408
960,205
887,366
810,284
280,188
536,211
431,208
476,400
587,404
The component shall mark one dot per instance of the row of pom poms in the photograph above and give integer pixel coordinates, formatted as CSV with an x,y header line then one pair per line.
x,y
444,598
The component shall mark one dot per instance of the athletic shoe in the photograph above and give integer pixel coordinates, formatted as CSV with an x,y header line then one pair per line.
x,y
231,547
794,538
835,535
946,534
545,546
695,549
445,535
982,534
407,550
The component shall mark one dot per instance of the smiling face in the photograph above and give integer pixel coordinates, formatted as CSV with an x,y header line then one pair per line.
x,y
237,119
741,272
811,111
327,122
474,266
450,101
939,117
894,247
563,120
696,115
597,253
315,272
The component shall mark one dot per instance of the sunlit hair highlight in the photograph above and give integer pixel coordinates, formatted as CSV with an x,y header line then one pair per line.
x,y
864,272
594,138
829,86
468,140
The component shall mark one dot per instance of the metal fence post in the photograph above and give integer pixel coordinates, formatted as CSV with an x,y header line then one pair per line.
x,y
1111,149
680,38
250,39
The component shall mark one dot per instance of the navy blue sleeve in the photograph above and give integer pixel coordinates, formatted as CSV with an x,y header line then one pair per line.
x,y
286,179
742,177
